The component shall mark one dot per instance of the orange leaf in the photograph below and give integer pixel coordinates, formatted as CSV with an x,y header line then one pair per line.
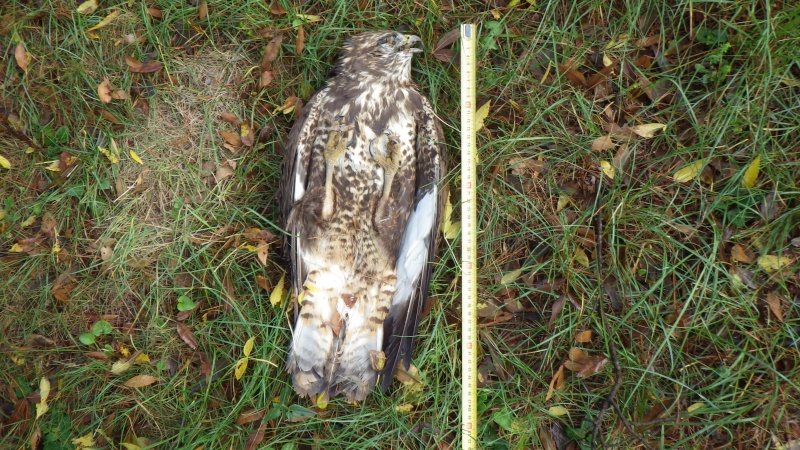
x,y
21,56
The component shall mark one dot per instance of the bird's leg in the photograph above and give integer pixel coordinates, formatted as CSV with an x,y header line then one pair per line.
x,y
333,151
390,162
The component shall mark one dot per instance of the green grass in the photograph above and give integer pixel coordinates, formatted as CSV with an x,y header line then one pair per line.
x,y
704,361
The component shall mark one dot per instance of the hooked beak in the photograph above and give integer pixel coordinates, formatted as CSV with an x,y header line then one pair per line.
x,y
409,42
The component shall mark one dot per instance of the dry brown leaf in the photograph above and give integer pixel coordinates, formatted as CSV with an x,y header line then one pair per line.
x,y
202,10
231,138
186,334
247,135
64,284
602,143
225,170
231,119
584,336
287,107
740,254
136,66
21,57
442,50
250,415
263,282
263,252
300,40
155,12
104,91
140,381
583,364
119,94
266,78
276,8
774,302
556,383
254,439
100,356
271,52
573,75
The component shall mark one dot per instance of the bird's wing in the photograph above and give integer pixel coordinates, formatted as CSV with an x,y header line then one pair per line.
x,y
417,246
295,178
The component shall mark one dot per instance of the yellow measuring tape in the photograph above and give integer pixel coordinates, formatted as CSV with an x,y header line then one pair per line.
x,y
469,292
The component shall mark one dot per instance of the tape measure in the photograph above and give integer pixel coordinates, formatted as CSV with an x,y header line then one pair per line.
x,y
469,286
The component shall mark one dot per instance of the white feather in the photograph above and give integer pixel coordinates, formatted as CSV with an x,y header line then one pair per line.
x,y
414,247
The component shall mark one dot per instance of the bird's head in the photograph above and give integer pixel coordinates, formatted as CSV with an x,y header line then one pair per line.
x,y
379,54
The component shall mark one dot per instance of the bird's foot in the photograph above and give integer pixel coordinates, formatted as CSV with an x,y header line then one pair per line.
x,y
386,152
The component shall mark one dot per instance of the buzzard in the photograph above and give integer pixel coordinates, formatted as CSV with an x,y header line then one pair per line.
x,y
361,203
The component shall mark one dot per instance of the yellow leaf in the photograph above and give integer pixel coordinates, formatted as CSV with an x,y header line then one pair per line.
x,y
512,3
125,351
41,408
84,442
28,222
135,157
129,446
121,366
250,248
44,389
607,61
511,277
241,367
248,346
580,257
322,400
309,17
449,229
563,201
276,297
106,20
142,359
4,163
771,263
404,408
87,7
140,381
481,114
695,406
558,411
111,156
648,130
16,248
689,172
54,166
608,169
751,174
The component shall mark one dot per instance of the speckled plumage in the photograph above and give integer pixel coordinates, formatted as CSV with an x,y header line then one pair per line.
x,y
361,201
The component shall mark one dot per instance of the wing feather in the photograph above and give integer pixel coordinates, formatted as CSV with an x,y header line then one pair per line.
x,y
417,246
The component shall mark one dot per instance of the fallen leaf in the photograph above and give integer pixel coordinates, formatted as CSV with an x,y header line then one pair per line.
x,y
186,334
142,358
155,12
481,114
114,159
276,297
64,284
689,172
602,143
583,364
136,66
250,415
511,277
271,52
563,201
255,439
404,408
300,40
276,8
87,7
751,174
573,75
740,254
231,138
695,406
584,336
225,170
608,169
84,442
231,119
556,383
309,17
266,78
558,411
202,10
441,50
248,346
21,57
106,20
648,130
263,253
287,107
263,282
247,135
241,367
4,163
771,263
450,229
774,302
135,157
44,392
140,381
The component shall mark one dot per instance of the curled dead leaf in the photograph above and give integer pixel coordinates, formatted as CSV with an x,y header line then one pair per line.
x,y
186,334
300,40
136,66
271,52
104,91
250,415
21,56
441,50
